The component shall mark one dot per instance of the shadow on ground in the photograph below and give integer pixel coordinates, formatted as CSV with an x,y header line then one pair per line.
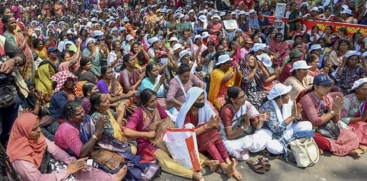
x,y
329,168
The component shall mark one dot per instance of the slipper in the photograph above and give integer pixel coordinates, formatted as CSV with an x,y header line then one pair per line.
x,y
265,163
270,155
255,166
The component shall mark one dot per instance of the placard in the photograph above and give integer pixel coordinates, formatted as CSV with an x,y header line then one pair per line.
x,y
230,24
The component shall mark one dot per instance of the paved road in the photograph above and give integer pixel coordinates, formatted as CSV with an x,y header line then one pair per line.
x,y
329,168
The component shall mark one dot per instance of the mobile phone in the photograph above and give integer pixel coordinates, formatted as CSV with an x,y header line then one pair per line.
x,y
90,163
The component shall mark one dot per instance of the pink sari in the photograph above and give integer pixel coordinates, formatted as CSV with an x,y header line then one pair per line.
x,y
214,37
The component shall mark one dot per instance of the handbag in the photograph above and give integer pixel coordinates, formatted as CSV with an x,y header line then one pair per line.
x,y
239,123
305,151
108,159
8,94
329,130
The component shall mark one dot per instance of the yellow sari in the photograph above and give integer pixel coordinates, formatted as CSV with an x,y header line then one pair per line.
x,y
216,87
43,79
117,132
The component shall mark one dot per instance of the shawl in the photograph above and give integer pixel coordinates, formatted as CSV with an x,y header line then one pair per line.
x,y
61,78
31,150
205,113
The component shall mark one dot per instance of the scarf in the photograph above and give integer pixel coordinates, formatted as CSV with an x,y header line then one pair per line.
x,y
61,78
205,113
31,150
43,78
284,114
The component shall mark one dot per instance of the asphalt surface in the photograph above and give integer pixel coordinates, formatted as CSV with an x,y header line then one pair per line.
x,y
329,168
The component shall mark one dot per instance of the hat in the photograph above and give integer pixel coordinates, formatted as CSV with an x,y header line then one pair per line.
x,y
278,90
265,59
153,40
315,9
300,65
114,29
359,82
176,47
352,53
238,29
97,33
251,11
242,12
304,3
52,49
69,32
126,19
162,54
223,59
183,53
258,46
129,37
216,16
203,18
315,47
205,34
364,55
173,38
196,37
346,11
295,53
222,13
322,79
344,6
181,16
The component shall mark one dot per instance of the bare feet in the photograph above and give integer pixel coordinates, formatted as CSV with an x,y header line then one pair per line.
x,y
237,175
231,168
355,153
213,165
198,176
120,174
321,151
363,148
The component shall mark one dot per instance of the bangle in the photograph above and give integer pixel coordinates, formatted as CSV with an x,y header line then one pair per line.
x,y
204,127
37,102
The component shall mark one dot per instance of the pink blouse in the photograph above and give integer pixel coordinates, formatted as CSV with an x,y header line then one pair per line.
x,y
67,137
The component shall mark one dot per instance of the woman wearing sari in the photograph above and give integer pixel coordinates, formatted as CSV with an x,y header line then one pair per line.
x,y
93,53
293,17
197,113
88,89
80,135
154,81
254,75
239,135
18,40
320,108
112,88
179,85
39,48
278,47
284,121
43,81
222,77
214,27
37,153
130,76
353,113
335,58
300,80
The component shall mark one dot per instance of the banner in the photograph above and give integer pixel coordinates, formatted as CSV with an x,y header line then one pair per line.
x,y
351,28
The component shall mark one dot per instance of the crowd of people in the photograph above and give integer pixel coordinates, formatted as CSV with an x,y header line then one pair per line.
x,y
101,80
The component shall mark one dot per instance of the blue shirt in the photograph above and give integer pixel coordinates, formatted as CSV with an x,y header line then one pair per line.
x,y
57,102
253,23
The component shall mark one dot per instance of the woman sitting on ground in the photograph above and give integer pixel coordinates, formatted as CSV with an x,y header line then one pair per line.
x,y
353,112
138,127
320,109
88,89
201,116
182,82
285,119
113,139
31,164
239,135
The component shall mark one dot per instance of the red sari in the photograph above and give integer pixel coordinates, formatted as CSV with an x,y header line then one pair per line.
x,y
209,141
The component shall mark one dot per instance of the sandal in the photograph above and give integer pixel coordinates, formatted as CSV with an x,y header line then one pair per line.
x,y
255,166
270,155
362,148
265,163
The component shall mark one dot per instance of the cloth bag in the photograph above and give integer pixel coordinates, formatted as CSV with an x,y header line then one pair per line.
x,y
109,159
182,145
305,151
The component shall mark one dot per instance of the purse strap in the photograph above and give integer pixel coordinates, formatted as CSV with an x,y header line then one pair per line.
x,y
317,149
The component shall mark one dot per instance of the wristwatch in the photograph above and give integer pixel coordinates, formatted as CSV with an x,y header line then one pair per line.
x,y
332,112
243,128
95,137
16,62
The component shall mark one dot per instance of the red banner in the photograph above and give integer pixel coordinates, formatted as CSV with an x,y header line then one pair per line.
x,y
351,28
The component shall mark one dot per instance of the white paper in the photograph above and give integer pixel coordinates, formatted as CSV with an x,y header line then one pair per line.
x,y
164,60
230,24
